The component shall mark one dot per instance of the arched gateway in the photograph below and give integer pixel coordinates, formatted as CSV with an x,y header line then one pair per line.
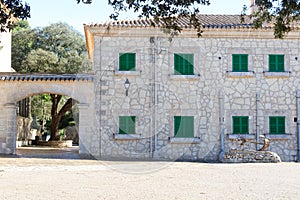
x,y
14,87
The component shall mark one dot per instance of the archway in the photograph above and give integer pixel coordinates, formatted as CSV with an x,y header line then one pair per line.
x,y
35,117
17,87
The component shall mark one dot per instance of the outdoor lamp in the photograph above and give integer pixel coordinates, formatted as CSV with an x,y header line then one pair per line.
x,y
127,85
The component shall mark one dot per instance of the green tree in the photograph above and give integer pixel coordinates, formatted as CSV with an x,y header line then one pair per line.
x,y
282,13
23,41
57,48
10,10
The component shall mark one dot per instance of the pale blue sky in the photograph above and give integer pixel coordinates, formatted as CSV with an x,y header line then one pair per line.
x,y
45,12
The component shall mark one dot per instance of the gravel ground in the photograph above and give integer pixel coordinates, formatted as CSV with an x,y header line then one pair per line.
x,y
29,177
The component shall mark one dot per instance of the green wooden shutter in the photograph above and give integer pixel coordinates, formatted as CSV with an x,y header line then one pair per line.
x,y
183,126
184,64
127,61
126,124
276,63
239,62
240,124
277,124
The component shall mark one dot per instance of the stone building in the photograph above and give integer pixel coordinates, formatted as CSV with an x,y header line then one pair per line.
x,y
190,98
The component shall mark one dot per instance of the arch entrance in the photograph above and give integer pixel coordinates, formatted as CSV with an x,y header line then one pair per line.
x,y
15,87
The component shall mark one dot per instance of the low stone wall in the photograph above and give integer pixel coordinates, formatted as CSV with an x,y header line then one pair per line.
x,y
250,156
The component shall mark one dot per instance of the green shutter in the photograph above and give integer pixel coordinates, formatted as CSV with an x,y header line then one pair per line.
x,y
277,124
240,124
276,63
126,124
184,64
239,62
183,126
127,61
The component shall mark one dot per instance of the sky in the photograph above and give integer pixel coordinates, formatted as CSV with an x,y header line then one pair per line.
x,y
45,12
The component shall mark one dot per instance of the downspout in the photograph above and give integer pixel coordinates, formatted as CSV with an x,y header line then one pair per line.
x,y
298,122
152,102
257,119
222,126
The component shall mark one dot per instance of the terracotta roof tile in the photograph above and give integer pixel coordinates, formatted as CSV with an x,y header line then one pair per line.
x,y
207,21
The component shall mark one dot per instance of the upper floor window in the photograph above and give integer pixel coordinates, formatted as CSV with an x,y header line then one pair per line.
x,y
127,61
240,62
183,126
183,64
277,124
276,63
126,124
240,124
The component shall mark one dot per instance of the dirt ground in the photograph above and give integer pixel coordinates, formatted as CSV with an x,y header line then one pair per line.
x,y
34,176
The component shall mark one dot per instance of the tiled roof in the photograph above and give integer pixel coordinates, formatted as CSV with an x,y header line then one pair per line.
x,y
45,77
207,21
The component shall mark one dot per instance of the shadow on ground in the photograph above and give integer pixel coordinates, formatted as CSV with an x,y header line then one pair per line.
x,y
50,153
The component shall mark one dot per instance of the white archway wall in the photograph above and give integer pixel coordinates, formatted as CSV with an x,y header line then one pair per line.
x,y
13,91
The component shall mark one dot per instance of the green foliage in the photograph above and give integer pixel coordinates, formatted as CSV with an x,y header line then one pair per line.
x,y
10,10
165,12
21,25
282,13
56,48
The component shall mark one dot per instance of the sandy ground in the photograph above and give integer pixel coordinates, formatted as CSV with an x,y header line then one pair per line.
x,y
36,177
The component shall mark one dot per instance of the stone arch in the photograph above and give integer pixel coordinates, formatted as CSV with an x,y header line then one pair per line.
x,y
81,91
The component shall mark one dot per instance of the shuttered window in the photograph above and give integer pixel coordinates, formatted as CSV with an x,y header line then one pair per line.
x,y
127,62
240,124
184,64
239,62
277,124
126,124
276,63
183,126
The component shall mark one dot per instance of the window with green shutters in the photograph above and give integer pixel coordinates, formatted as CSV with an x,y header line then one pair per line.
x,y
277,124
183,126
240,62
276,63
183,64
126,124
240,124
127,61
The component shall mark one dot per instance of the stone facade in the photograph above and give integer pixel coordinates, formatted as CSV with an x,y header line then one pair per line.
x,y
212,95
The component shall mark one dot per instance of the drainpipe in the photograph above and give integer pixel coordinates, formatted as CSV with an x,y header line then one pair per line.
x,y
298,122
256,120
153,100
222,126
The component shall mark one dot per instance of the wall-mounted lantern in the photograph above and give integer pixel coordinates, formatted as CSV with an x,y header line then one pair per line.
x,y
127,85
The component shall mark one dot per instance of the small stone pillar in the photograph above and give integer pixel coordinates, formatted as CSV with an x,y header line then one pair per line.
x,y
11,129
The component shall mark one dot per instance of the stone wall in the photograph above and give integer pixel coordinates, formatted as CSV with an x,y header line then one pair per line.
x,y
156,95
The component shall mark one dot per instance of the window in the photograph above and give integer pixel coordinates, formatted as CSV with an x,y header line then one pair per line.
x,y
240,124
277,124
183,126
276,63
240,62
127,62
184,64
126,124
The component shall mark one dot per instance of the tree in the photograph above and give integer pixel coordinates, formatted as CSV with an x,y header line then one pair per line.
x,y
283,13
10,10
166,12
57,48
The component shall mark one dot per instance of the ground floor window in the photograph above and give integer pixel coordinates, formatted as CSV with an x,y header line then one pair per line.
x,y
277,124
240,124
126,124
183,126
